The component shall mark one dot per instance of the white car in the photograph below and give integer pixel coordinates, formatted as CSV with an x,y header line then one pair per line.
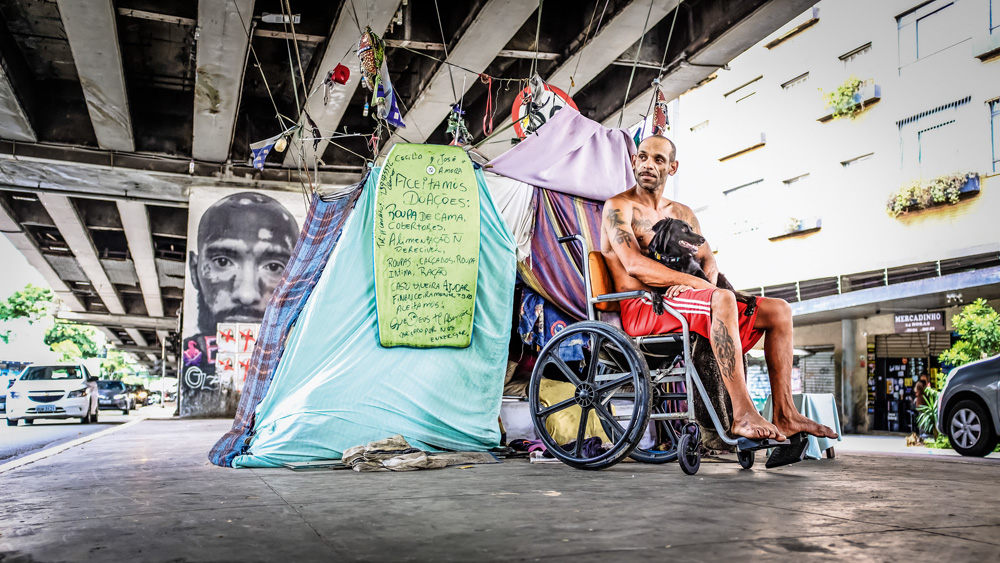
x,y
53,391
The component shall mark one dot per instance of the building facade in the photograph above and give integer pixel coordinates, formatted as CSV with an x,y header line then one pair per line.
x,y
795,198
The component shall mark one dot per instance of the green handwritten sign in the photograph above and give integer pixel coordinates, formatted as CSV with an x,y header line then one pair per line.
x,y
426,247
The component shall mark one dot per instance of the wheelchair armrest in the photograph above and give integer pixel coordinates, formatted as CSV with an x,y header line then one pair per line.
x,y
621,296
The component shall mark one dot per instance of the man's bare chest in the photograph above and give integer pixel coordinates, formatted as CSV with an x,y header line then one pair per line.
x,y
643,220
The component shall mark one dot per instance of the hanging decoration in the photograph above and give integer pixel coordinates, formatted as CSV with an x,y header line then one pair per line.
x,y
260,149
655,123
457,128
375,77
488,116
339,75
536,104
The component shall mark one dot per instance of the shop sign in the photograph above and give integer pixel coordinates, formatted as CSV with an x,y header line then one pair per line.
x,y
920,322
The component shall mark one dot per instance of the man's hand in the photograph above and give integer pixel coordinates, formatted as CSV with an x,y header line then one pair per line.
x,y
675,290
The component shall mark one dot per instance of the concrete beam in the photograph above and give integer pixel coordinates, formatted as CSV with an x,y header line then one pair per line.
x,y
92,31
343,39
136,337
222,50
26,245
742,35
61,209
110,335
488,34
617,35
135,220
125,321
14,123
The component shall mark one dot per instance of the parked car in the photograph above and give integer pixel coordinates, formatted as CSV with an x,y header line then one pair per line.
x,y
133,395
154,397
5,382
968,410
53,391
113,395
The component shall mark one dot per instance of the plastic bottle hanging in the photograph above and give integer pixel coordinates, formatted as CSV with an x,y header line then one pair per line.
x,y
365,112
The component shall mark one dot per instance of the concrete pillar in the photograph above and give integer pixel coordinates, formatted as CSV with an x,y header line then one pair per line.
x,y
848,366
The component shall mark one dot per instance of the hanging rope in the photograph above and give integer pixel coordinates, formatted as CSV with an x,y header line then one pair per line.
x,y
635,63
663,60
444,42
488,115
586,40
538,31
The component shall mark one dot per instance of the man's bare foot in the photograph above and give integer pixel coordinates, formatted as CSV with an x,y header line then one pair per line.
x,y
751,425
793,423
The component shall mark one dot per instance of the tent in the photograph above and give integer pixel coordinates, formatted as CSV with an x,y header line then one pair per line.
x,y
319,382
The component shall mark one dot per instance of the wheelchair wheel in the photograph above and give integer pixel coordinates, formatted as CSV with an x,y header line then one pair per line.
x,y
746,458
689,454
663,434
610,385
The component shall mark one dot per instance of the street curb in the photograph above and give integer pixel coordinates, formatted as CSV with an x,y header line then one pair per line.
x,y
63,447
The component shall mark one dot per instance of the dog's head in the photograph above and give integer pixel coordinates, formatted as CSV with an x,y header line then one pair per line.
x,y
673,237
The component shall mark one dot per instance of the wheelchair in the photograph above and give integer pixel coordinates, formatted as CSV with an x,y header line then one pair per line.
x,y
613,383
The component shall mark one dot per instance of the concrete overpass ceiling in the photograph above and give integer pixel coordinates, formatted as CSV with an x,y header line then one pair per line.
x,y
100,142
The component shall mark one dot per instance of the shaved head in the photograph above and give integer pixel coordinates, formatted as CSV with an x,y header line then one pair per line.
x,y
661,138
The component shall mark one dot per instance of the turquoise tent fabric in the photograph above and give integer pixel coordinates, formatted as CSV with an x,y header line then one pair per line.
x,y
336,387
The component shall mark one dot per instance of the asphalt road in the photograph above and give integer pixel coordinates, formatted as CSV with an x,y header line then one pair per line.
x,y
21,440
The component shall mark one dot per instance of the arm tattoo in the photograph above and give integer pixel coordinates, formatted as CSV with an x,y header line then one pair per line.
x,y
725,349
615,222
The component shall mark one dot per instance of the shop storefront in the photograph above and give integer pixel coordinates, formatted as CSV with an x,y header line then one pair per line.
x,y
895,364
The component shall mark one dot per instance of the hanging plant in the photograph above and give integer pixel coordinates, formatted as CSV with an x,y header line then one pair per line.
x,y
846,100
945,189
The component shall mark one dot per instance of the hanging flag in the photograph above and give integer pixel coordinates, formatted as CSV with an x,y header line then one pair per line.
x,y
260,149
390,112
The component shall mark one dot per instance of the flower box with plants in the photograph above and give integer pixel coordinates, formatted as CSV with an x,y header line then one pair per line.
x,y
943,190
851,98
796,227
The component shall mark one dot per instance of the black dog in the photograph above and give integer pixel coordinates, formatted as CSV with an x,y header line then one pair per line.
x,y
674,245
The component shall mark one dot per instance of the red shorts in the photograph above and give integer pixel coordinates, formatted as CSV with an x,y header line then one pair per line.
x,y
638,318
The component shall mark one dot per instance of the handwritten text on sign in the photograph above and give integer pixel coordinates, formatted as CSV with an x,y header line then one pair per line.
x,y
426,247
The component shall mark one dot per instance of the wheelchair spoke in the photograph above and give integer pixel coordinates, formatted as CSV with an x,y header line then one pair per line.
x,y
595,351
609,419
559,363
581,432
614,384
557,407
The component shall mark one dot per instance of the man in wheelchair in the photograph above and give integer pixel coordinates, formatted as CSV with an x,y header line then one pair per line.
x,y
731,328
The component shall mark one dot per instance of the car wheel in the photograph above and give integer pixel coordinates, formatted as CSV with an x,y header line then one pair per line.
x,y
125,412
11,422
970,429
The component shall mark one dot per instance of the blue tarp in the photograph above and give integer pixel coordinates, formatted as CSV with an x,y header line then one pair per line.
x,y
336,387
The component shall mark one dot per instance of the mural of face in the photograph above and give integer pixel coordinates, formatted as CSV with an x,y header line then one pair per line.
x,y
244,242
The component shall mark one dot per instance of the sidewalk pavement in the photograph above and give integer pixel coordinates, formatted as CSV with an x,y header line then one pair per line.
x,y
148,493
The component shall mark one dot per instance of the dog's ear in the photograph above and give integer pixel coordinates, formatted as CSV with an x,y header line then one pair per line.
x,y
662,225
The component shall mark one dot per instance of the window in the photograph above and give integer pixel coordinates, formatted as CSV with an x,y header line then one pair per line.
x,y
931,141
743,92
855,53
856,160
798,80
700,126
995,123
929,29
739,201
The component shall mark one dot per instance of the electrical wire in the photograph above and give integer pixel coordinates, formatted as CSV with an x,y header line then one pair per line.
x,y
444,42
538,32
586,40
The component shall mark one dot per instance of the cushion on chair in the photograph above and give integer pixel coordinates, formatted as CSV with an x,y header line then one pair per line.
x,y
600,281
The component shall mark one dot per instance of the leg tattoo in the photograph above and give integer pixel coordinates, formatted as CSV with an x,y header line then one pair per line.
x,y
725,350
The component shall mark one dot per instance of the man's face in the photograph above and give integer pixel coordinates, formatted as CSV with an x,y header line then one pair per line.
x,y
241,260
652,163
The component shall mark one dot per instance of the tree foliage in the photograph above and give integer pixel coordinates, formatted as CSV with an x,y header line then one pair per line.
x,y
116,366
978,328
82,337
32,303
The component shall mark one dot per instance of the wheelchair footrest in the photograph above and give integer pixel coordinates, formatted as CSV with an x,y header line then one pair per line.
x,y
794,452
750,444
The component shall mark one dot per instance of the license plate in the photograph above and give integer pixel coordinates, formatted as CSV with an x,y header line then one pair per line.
x,y
105,401
45,408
